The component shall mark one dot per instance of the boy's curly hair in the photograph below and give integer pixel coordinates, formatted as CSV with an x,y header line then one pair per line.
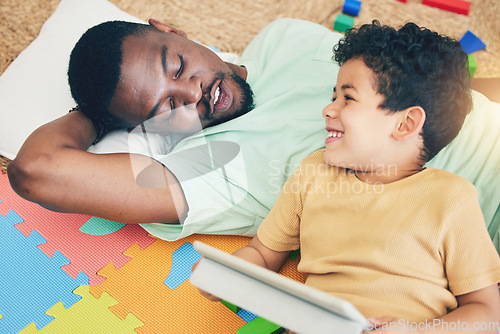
x,y
414,66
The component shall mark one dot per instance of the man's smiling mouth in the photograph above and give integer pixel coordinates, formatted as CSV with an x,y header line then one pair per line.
x,y
222,98
217,95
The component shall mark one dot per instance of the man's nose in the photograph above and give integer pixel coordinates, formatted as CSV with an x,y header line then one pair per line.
x,y
189,90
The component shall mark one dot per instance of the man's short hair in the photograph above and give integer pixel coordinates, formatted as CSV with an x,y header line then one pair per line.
x,y
95,69
414,66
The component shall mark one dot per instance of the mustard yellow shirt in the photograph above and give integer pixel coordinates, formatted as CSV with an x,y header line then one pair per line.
x,y
402,249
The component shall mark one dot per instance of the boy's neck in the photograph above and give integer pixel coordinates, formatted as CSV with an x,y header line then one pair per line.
x,y
388,175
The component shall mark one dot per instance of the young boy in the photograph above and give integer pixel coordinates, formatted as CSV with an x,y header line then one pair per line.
x,y
407,245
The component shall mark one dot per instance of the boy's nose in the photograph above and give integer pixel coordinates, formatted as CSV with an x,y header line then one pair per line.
x,y
330,111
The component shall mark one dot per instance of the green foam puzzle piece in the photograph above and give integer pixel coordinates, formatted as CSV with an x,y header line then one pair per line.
x,y
259,326
76,318
293,254
100,226
230,306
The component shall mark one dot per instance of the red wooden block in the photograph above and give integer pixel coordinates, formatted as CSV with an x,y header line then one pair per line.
x,y
456,6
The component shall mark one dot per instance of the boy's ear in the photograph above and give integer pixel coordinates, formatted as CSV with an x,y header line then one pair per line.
x,y
410,123
163,27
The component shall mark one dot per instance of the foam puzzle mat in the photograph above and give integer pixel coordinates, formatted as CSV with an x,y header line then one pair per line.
x,y
71,273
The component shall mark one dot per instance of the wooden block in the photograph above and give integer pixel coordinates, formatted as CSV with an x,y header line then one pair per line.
x,y
456,6
343,23
472,65
351,7
471,43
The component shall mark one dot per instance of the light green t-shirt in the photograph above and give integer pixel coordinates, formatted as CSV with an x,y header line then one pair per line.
x,y
231,174
292,76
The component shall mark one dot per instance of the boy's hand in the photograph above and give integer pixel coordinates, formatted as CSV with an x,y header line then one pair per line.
x,y
204,293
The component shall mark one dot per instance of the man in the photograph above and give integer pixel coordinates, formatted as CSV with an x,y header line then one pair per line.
x,y
213,186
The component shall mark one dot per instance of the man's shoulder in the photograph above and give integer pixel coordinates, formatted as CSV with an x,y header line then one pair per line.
x,y
288,22
293,27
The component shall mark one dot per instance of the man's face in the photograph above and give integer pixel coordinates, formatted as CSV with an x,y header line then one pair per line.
x,y
176,85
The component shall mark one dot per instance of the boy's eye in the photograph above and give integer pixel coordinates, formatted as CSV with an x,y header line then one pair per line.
x,y
347,97
172,106
181,67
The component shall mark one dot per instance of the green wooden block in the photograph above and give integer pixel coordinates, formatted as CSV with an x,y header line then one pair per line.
x,y
343,23
259,326
472,65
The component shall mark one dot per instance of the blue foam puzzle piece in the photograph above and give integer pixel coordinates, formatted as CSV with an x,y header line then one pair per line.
x,y
245,315
30,282
471,43
183,259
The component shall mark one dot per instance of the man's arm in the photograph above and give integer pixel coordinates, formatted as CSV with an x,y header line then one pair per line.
x,y
54,170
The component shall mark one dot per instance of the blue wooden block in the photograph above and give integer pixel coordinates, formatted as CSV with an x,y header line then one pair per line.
x,y
351,7
471,43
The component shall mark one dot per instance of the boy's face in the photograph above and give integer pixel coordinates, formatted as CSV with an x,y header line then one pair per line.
x,y
359,131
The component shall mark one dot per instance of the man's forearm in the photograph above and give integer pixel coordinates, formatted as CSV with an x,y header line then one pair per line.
x,y
54,170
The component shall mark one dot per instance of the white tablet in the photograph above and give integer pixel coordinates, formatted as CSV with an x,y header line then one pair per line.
x,y
275,297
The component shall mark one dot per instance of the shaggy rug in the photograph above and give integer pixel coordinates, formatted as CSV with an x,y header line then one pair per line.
x,y
231,24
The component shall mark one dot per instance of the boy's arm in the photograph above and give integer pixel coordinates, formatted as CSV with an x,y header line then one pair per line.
x,y
477,312
255,252
54,170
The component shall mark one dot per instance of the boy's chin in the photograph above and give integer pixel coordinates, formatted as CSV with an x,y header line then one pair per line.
x,y
330,160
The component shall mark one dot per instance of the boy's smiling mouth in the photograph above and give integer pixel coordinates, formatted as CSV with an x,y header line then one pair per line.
x,y
333,135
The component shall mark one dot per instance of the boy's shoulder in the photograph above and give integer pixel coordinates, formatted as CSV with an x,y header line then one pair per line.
x,y
447,177
448,184
316,159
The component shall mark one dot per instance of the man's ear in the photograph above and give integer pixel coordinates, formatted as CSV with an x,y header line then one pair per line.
x,y
410,123
163,27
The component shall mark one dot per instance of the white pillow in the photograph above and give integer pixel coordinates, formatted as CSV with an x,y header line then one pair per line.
x,y
34,89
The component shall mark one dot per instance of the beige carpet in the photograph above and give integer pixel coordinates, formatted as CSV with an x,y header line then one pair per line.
x,y
231,24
